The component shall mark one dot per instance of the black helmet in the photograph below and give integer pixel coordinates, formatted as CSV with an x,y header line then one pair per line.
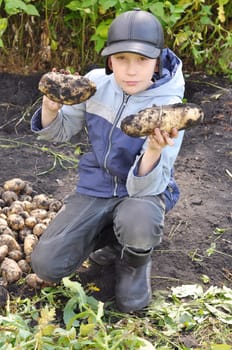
x,y
135,31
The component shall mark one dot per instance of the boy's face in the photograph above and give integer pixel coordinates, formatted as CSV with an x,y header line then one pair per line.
x,y
132,72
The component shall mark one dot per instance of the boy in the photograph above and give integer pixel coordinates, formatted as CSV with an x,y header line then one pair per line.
x,y
125,183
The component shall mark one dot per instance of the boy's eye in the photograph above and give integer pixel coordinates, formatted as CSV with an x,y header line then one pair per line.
x,y
143,58
120,57
138,58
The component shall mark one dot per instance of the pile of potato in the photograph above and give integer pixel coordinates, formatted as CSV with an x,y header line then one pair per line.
x,y
24,215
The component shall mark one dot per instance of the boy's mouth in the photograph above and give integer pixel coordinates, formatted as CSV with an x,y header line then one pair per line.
x,y
131,83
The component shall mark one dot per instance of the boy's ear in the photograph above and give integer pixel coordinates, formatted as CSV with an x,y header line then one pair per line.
x,y
109,63
157,65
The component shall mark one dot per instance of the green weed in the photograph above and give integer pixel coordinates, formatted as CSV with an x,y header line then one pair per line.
x,y
186,312
59,159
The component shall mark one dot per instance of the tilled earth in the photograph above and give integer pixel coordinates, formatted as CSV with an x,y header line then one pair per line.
x,y
197,244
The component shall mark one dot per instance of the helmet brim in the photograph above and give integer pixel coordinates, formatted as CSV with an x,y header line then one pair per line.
x,y
137,47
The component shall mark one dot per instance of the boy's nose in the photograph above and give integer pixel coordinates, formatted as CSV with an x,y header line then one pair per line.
x,y
131,69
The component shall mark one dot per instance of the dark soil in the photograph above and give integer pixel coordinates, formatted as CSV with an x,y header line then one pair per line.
x,y
198,232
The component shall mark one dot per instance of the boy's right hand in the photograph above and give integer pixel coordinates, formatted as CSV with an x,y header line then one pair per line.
x,y
51,105
50,108
49,111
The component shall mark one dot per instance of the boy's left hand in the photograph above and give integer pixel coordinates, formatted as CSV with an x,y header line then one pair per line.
x,y
160,139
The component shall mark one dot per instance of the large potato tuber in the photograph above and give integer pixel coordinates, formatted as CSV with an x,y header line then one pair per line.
x,y
16,185
24,266
30,242
3,222
28,190
51,215
35,282
46,221
2,214
55,205
3,252
5,210
6,230
67,89
179,116
31,221
9,197
39,229
39,213
15,221
11,243
41,201
10,270
24,214
16,207
28,205
16,255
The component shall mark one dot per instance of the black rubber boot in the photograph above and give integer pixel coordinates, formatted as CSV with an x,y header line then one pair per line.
x,y
105,256
133,281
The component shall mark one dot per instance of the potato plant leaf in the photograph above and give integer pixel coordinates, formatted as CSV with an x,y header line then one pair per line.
x,y
187,291
221,315
220,347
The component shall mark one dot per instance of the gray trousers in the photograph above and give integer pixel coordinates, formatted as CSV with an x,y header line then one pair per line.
x,y
81,224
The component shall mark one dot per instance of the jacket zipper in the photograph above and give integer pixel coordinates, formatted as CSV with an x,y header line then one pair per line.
x,y
118,115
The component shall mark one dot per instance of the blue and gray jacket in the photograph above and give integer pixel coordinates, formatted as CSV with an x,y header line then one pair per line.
x,y
109,168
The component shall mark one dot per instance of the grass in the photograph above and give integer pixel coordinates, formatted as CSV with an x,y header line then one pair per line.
x,y
66,317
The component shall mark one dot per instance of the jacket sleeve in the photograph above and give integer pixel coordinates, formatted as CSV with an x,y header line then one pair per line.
x,y
69,121
156,181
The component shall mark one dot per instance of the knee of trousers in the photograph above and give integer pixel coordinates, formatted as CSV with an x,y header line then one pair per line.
x,y
139,223
47,267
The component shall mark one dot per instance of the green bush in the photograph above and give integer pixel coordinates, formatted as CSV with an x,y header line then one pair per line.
x,y
42,34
